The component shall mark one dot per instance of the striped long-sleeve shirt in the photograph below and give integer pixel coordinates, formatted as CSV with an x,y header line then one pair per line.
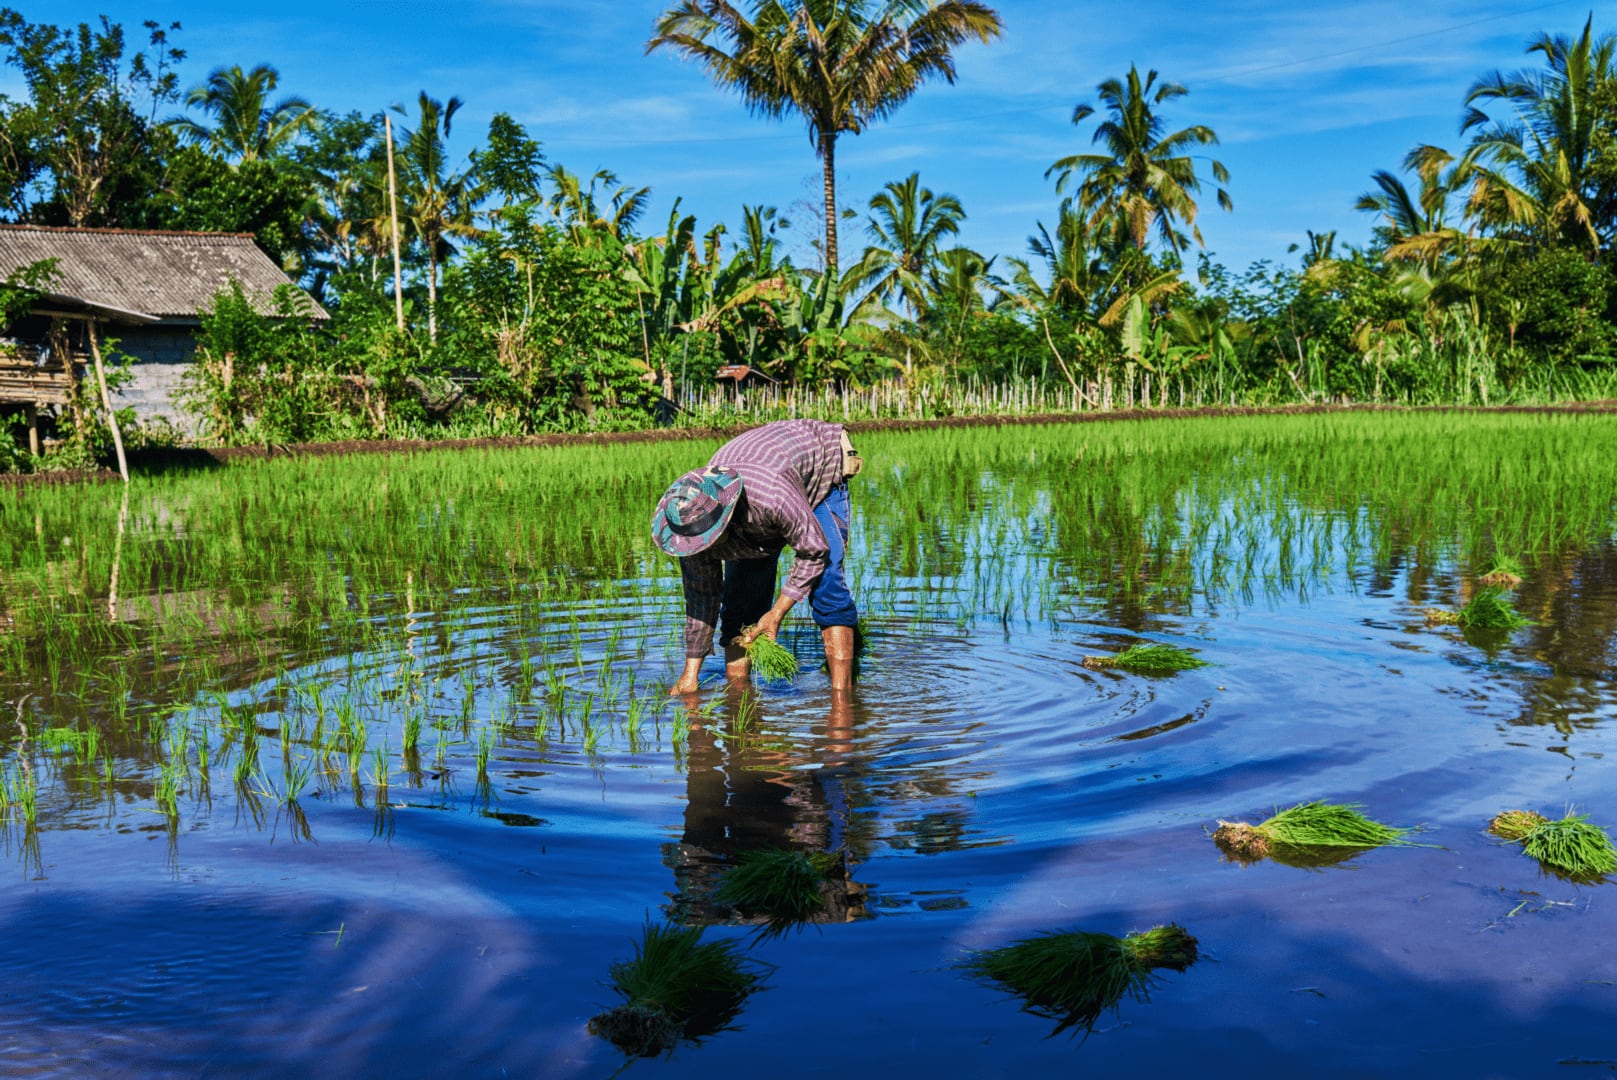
x,y
787,468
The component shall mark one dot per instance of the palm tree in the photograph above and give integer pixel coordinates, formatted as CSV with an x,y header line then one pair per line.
x,y
1542,169
908,222
438,204
589,215
840,64
759,224
1144,179
1088,274
1415,226
246,125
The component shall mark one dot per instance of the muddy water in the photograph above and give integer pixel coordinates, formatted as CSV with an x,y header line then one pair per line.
x,y
983,783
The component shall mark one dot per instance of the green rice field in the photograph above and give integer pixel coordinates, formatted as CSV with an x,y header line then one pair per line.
x,y
368,764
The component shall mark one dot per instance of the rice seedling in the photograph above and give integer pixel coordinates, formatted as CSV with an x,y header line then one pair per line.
x,y
485,747
676,987
1568,844
1307,825
770,659
1151,659
1075,977
166,791
412,732
1489,609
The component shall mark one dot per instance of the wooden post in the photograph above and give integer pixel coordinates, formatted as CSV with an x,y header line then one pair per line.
x,y
393,211
33,429
106,399
117,558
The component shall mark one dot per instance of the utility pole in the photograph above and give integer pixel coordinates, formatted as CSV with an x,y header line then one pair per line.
x,y
393,211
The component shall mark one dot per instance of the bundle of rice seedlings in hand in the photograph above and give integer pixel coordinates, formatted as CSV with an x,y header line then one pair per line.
x,y
1152,659
1505,573
1307,825
1073,977
1570,845
676,987
1489,609
770,659
781,884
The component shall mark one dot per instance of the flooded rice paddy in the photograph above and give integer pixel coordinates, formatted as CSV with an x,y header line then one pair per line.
x,y
366,766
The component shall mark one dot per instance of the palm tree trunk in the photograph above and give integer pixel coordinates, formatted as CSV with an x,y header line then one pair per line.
x,y
432,294
828,156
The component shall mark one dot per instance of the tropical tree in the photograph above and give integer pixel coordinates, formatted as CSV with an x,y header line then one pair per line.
x,y
439,204
1086,274
1083,280
840,64
246,126
1415,227
589,216
347,221
79,143
907,224
759,224
1545,165
1142,179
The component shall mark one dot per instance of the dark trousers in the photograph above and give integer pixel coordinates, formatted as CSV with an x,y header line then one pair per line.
x,y
749,584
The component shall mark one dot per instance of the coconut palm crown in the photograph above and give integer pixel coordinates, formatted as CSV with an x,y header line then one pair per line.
x,y
840,64
246,125
1542,160
1144,180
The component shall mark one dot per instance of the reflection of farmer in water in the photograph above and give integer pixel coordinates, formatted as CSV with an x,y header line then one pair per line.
x,y
781,484
744,793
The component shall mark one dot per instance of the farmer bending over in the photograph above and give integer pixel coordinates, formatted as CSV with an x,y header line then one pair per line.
x,y
783,483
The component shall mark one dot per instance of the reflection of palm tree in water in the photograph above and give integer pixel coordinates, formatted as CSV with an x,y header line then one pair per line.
x,y
745,792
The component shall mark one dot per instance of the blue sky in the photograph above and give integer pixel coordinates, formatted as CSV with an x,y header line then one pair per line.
x,y
1308,99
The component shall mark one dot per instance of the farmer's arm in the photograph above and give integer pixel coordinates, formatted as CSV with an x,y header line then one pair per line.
x,y
703,578
796,525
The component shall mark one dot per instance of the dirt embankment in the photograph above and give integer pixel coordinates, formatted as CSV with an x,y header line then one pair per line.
x,y
206,457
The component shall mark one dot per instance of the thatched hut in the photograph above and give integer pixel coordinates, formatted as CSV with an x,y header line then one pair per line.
x,y
144,288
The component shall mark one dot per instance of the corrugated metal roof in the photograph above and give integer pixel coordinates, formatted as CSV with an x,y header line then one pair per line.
x,y
168,274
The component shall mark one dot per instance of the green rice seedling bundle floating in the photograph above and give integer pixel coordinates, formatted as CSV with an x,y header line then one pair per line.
x,y
1307,825
770,659
1150,659
1074,977
1490,609
1570,844
780,884
786,889
676,987
1504,572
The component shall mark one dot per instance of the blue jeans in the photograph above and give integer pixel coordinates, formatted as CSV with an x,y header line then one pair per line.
x,y
749,584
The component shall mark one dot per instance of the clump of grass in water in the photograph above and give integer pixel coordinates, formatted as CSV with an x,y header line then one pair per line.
x,y
781,884
1505,573
1153,659
1307,825
676,987
770,659
1490,609
1074,977
1570,844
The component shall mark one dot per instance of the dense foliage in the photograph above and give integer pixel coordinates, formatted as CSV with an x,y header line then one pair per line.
x,y
535,299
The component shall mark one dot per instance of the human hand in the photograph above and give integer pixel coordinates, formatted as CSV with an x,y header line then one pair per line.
x,y
768,626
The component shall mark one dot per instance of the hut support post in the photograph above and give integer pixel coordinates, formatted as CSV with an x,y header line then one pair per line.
x,y
33,429
106,399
